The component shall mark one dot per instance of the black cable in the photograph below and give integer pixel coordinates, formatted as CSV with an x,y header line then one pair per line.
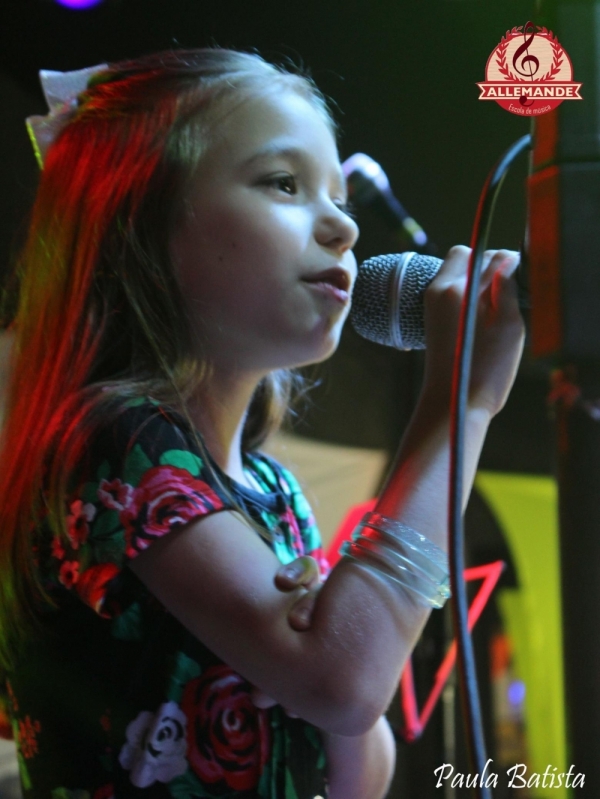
x,y
460,391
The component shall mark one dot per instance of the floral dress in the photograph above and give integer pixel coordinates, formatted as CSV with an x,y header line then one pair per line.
x,y
114,698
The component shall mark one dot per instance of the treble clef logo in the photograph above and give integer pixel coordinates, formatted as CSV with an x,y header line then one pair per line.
x,y
528,60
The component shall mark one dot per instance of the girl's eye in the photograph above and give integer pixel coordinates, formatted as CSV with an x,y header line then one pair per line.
x,y
347,208
284,183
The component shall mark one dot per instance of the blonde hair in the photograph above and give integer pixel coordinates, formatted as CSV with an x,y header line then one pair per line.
x,y
96,309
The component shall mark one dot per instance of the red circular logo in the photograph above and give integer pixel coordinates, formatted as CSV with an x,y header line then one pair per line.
x,y
529,73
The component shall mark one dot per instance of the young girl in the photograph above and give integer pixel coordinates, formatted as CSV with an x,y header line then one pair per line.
x,y
189,245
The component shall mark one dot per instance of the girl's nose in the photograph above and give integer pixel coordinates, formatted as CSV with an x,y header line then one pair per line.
x,y
336,230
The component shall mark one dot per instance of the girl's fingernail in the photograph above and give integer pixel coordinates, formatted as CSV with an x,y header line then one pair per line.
x,y
292,572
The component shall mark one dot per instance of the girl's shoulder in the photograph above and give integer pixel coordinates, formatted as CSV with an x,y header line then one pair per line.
x,y
146,422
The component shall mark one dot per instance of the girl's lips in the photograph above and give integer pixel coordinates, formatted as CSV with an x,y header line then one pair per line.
x,y
329,290
336,277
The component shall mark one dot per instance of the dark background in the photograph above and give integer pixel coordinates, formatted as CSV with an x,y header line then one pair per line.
x,y
402,75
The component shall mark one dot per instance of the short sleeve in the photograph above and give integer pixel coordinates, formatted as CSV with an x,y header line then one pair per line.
x,y
142,478
310,537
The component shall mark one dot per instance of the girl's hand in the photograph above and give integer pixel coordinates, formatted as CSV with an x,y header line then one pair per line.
x,y
302,573
499,334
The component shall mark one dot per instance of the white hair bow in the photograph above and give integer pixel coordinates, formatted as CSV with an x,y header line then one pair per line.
x,y
61,90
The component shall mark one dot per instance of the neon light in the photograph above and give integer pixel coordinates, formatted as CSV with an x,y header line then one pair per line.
x,y
415,721
78,4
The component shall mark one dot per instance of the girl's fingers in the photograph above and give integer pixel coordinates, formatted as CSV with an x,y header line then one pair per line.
x,y
504,291
455,263
300,615
505,260
304,571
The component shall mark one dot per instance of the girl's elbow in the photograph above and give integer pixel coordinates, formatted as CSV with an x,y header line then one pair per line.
x,y
353,711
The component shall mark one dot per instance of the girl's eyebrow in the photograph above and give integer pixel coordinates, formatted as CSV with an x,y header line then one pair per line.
x,y
291,152
276,150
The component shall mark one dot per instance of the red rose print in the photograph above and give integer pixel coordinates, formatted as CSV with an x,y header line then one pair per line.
x,y
28,731
58,550
165,499
77,522
91,584
69,573
228,737
115,494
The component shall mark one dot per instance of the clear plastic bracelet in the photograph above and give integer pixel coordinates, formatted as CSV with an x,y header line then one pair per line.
x,y
422,549
365,551
414,546
395,558
402,555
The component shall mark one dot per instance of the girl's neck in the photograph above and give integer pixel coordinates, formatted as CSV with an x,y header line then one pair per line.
x,y
218,410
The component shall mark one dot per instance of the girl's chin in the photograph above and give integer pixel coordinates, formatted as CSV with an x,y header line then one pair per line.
x,y
322,351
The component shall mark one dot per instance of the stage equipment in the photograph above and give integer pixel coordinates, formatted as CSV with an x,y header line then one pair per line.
x,y
460,386
369,186
564,255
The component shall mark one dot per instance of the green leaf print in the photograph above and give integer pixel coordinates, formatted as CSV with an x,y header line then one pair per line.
x,y
283,551
109,551
23,772
264,784
277,751
136,463
182,459
290,790
188,786
128,626
106,525
313,736
184,670
302,507
89,492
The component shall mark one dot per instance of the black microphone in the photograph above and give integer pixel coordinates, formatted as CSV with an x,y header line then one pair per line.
x,y
388,297
368,185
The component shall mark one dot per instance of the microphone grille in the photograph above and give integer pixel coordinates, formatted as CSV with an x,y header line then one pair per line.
x,y
387,301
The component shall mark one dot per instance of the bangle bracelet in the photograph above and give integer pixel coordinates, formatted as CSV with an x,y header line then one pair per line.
x,y
402,555
367,553
416,559
409,538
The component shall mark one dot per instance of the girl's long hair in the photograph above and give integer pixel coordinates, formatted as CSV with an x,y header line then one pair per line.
x,y
95,308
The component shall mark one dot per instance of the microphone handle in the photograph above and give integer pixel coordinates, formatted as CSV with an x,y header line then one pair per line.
x,y
388,301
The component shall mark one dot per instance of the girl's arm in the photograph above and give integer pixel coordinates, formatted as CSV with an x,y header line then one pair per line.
x,y
361,767
216,575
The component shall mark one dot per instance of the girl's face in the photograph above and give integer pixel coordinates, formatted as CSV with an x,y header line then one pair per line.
x,y
263,217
